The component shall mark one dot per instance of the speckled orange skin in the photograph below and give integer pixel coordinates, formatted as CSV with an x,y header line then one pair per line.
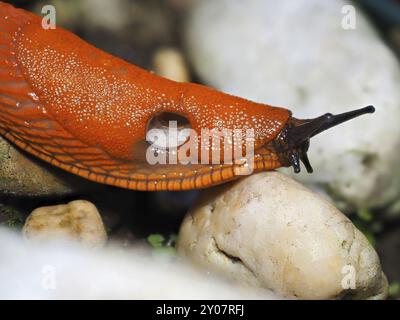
x,y
86,111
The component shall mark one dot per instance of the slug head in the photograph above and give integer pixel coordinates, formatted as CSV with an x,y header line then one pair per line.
x,y
293,141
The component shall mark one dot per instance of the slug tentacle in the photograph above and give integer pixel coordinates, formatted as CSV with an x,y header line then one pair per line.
x,y
293,142
310,128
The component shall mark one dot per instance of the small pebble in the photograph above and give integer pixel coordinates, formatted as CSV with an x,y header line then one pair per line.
x,y
77,221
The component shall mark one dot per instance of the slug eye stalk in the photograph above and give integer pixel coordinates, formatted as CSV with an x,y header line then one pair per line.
x,y
294,140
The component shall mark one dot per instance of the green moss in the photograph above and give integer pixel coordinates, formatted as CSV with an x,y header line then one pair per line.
x,y
365,214
163,246
394,290
156,240
11,217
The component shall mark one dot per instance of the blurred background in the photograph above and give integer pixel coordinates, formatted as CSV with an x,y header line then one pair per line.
x,y
175,39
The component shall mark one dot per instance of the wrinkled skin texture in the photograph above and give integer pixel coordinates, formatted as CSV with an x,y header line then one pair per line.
x,y
87,112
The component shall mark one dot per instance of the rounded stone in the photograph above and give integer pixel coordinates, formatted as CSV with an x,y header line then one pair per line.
x,y
77,221
269,231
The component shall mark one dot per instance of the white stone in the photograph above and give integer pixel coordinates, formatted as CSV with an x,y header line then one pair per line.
x,y
269,231
169,62
57,270
109,15
297,54
78,221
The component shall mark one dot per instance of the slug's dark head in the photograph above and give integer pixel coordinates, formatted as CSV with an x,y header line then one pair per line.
x,y
293,141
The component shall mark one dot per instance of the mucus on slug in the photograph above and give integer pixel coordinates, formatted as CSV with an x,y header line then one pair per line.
x,y
90,119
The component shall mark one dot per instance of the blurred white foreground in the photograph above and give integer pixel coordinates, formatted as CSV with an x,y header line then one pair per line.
x,y
67,271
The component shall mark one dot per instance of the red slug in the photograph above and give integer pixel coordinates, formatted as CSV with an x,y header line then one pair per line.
x,y
88,113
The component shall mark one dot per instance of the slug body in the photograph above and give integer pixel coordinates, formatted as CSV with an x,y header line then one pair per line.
x,y
88,112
